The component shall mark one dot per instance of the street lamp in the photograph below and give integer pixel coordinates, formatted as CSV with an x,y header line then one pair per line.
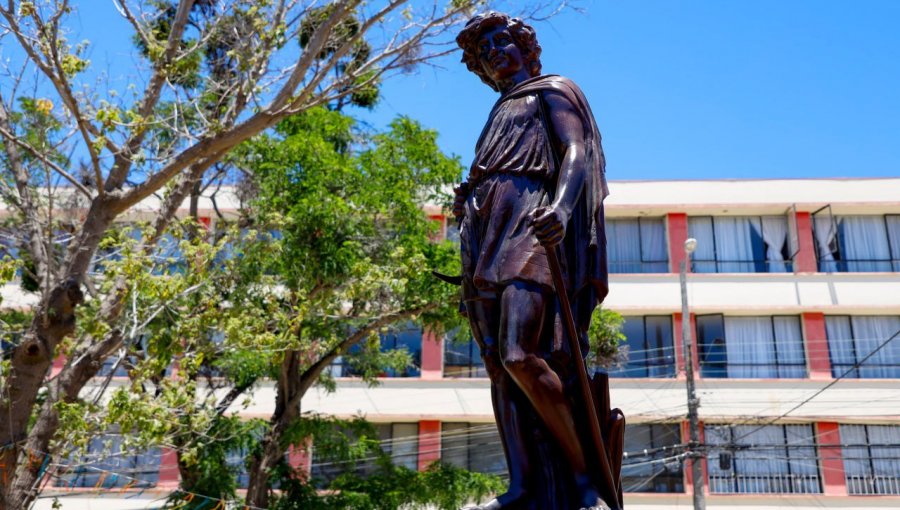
x,y
693,402
690,244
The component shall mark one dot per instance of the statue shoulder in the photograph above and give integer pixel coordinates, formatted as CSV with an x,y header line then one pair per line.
x,y
561,84
559,91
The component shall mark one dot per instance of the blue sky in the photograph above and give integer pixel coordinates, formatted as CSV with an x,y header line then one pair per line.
x,y
706,89
682,89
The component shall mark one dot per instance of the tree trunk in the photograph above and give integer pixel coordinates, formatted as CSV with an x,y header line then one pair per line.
x,y
272,453
273,447
34,456
54,319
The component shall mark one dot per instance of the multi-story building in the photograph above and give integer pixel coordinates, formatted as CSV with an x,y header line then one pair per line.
x,y
794,296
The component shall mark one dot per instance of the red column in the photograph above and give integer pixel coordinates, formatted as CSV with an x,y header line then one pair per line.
x,y
678,233
300,459
441,221
805,260
168,469
432,344
833,478
816,342
432,355
688,476
429,443
679,346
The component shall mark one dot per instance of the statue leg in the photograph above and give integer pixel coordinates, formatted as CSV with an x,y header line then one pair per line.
x,y
524,316
484,319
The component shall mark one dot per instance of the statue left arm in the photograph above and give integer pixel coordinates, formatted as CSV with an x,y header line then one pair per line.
x,y
567,129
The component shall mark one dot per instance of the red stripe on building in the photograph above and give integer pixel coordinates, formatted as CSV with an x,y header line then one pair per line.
x,y
678,233
816,345
833,476
429,443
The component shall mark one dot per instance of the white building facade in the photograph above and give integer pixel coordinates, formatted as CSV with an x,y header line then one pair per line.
x,y
794,294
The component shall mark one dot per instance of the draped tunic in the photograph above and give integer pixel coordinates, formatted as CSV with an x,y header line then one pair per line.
x,y
514,172
513,162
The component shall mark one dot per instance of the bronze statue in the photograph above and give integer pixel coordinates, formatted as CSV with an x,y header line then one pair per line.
x,y
534,268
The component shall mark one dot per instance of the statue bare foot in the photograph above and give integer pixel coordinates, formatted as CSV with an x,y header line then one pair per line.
x,y
514,499
590,497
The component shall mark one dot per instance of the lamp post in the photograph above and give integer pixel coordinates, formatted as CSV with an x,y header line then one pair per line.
x,y
693,402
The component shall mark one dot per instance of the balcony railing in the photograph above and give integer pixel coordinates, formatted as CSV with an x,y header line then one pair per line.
x,y
859,266
741,266
870,485
776,483
638,266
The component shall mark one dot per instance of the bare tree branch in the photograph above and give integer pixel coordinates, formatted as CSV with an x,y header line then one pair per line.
x,y
152,93
11,137
27,199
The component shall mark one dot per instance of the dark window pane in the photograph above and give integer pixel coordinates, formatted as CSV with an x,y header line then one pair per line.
x,y
639,472
711,346
462,359
649,348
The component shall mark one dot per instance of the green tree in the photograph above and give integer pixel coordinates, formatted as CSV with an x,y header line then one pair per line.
x,y
213,74
333,249
605,335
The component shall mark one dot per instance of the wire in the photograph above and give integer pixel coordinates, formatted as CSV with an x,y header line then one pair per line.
x,y
829,385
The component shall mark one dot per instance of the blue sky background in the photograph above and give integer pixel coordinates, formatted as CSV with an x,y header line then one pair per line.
x,y
706,89
682,89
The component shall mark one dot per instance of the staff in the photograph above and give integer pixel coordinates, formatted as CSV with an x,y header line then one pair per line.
x,y
606,482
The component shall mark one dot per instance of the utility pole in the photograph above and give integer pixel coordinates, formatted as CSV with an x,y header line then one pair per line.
x,y
693,402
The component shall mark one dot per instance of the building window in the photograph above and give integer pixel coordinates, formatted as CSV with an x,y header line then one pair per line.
x,y
853,339
326,467
108,462
407,337
857,243
750,347
636,245
473,446
740,244
871,458
404,444
400,441
770,459
649,347
237,464
463,359
648,473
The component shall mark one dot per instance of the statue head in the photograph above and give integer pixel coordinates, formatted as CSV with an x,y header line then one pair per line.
x,y
471,40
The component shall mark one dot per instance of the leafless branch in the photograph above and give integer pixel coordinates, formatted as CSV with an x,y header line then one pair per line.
x,y
151,96
47,161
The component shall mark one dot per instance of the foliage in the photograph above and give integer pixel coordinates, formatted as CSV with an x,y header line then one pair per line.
x,y
365,478
330,253
210,471
605,335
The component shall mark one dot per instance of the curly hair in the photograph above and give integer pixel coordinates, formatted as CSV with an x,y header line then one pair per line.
x,y
523,36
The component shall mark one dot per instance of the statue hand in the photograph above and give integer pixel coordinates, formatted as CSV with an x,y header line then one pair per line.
x,y
549,225
459,202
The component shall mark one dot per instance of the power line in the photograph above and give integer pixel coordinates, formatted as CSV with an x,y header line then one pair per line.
x,y
826,387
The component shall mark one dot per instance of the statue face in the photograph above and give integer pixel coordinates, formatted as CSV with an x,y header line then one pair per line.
x,y
500,57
